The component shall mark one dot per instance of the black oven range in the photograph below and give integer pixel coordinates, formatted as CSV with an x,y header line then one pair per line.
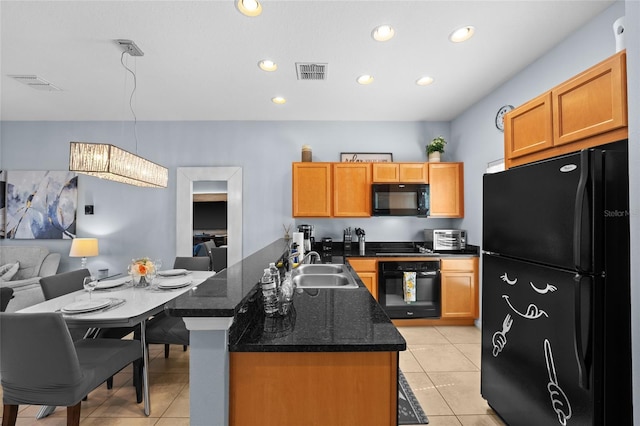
x,y
392,297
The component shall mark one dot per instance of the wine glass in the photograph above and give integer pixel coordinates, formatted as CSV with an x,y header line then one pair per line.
x,y
152,273
89,284
158,264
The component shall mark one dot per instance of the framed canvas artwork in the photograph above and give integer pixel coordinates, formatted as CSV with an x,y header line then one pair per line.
x,y
3,186
41,204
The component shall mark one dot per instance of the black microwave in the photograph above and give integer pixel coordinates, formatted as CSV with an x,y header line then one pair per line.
x,y
400,199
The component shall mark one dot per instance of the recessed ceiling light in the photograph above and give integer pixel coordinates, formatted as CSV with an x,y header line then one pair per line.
x,y
424,81
462,34
279,100
365,79
249,7
383,33
267,65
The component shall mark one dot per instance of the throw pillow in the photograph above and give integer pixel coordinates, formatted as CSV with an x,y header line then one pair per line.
x,y
8,271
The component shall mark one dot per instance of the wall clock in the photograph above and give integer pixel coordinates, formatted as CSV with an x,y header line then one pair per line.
x,y
500,116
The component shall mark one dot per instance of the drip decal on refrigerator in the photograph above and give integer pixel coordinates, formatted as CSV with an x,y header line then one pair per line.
x,y
506,279
533,312
499,338
547,289
559,400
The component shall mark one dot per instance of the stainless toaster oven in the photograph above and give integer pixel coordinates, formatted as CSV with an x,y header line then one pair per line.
x,y
445,239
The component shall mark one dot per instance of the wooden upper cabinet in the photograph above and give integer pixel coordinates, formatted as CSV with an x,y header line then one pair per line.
x,y
400,172
386,172
585,111
528,128
446,193
352,189
312,189
414,172
591,103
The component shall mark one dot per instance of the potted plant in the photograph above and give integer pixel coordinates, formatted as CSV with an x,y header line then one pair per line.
x,y
435,148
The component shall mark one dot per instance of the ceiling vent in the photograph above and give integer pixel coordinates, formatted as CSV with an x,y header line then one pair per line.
x,y
311,71
35,82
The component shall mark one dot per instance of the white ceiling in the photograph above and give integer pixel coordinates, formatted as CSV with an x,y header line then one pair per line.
x,y
200,57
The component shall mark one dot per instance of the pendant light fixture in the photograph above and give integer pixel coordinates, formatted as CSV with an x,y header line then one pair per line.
x,y
107,161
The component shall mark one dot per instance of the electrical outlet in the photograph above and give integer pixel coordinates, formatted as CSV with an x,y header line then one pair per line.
x,y
88,209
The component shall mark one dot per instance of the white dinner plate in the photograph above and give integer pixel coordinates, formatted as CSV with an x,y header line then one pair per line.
x,y
172,272
174,283
111,283
86,306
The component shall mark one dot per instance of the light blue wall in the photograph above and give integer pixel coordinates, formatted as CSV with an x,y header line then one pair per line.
x,y
478,141
132,222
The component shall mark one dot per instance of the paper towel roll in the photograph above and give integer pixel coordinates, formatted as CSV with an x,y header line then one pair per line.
x,y
298,238
618,32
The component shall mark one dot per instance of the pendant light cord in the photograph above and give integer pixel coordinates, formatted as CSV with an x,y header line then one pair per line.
x,y
135,85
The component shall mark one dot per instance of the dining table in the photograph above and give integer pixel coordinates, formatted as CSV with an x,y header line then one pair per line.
x,y
118,303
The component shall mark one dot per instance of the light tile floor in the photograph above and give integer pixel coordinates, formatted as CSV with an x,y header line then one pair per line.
x,y
442,365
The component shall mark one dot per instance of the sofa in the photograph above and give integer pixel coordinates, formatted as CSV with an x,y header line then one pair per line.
x,y
34,262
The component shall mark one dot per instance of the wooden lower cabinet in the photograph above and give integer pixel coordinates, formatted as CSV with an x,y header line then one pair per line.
x,y
368,272
313,388
459,288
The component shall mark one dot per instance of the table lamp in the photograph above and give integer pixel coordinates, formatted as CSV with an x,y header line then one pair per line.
x,y
84,247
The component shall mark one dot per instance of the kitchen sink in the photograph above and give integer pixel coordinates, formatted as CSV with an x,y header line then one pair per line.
x,y
327,280
322,269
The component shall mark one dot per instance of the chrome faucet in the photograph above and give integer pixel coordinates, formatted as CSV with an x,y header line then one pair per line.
x,y
310,253
303,260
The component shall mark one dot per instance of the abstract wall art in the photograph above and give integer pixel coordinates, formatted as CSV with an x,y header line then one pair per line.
x,y
3,186
41,204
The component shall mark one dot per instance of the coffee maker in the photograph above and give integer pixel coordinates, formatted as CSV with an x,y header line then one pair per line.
x,y
309,237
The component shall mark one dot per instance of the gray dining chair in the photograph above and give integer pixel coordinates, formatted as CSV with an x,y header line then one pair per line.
x,y
192,263
66,282
218,258
217,255
57,285
168,330
60,284
41,365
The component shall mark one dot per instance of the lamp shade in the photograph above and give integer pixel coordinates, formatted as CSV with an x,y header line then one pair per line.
x,y
84,247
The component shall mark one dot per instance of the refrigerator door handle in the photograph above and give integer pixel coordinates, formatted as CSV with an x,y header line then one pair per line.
x,y
577,222
578,343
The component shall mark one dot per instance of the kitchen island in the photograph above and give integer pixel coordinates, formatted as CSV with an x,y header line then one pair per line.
x,y
334,354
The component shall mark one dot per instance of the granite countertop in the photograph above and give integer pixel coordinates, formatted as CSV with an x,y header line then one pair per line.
x,y
321,320
221,295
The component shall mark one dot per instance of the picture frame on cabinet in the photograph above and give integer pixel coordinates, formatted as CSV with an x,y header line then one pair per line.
x,y
366,157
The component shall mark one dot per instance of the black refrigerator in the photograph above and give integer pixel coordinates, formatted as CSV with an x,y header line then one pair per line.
x,y
556,333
